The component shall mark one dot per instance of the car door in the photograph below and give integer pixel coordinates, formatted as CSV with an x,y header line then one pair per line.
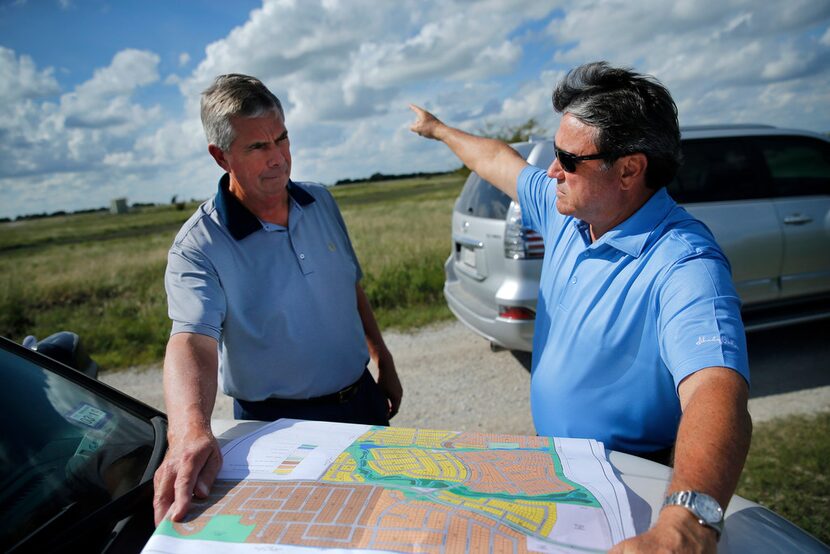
x,y
799,168
477,259
477,234
724,183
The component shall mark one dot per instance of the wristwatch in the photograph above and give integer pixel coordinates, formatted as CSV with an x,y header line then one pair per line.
x,y
705,508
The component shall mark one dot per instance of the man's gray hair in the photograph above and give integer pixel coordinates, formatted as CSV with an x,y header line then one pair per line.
x,y
631,113
234,95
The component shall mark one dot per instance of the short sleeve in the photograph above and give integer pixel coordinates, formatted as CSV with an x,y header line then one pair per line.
x,y
196,302
537,197
699,318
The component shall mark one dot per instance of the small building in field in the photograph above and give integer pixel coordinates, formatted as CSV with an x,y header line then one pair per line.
x,y
119,206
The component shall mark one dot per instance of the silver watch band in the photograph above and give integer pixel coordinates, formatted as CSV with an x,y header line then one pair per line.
x,y
705,508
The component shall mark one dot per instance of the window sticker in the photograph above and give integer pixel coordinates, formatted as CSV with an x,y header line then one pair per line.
x,y
89,415
88,445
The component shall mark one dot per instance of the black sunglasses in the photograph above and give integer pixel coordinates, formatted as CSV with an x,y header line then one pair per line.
x,y
568,161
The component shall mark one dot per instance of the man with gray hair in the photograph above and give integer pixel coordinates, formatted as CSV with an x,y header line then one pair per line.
x,y
639,341
264,293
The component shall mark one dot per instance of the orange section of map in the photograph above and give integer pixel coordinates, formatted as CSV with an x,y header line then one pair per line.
x,y
518,473
351,516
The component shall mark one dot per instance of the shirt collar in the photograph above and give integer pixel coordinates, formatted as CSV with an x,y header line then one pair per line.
x,y
238,219
631,235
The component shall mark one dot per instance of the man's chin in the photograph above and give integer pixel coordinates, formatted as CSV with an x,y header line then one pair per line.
x,y
276,179
566,210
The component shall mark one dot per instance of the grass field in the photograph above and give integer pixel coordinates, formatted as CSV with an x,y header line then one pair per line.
x,y
788,471
100,275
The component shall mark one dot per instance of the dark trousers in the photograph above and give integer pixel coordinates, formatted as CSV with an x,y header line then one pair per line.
x,y
664,456
361,402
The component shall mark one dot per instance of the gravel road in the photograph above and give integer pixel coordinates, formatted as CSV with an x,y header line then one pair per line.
x,y
452,380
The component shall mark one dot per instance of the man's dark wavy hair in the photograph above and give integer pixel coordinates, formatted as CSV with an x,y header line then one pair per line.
x,y
630,112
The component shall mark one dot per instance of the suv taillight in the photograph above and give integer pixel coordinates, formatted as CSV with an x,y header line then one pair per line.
x,y
519,242
516,312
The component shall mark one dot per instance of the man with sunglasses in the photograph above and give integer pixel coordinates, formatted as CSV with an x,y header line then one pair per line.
x,y
638,322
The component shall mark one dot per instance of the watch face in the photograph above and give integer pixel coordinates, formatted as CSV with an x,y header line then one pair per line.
x,y
708,509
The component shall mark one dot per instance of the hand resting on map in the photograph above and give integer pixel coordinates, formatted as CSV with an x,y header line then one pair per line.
x,y
189,469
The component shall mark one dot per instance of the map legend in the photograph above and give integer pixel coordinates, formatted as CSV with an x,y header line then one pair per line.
x,y
291,462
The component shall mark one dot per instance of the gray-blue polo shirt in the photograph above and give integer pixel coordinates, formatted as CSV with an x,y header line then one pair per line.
x,y
620,322
280,301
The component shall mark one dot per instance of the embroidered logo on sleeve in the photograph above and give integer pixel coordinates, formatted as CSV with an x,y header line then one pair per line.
x,y
719,339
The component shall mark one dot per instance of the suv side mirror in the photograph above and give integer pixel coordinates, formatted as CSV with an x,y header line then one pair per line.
x,y
66,348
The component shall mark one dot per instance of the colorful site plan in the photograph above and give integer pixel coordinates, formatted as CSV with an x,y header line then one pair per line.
x,y
305,486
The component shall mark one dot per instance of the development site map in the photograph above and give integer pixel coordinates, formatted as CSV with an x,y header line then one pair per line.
x,y
303,486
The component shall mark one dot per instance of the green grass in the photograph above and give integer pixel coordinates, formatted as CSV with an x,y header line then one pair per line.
x,y
788,471
101,275
84,228
401,233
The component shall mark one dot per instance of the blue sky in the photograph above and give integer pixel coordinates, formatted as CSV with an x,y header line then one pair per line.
x,y
100,98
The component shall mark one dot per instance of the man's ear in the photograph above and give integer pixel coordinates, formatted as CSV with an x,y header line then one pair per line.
x,y
633,170
219,155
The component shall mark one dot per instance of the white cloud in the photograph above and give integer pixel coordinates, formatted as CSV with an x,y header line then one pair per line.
x,y
720,59
20,79
449,48
533,101
346,71
788,62
85,129
104,101
727,34
346,54
128,70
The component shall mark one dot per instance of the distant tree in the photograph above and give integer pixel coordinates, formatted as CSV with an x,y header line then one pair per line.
x,y
377,176
514,133
509,134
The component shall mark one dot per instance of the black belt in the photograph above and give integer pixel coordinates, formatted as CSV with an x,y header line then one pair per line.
x,y
340,397
663,456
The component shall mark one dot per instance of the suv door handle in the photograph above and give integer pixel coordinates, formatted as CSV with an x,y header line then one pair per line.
x,y
797,219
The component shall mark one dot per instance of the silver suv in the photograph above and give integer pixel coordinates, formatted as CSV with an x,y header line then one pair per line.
x,y
763,191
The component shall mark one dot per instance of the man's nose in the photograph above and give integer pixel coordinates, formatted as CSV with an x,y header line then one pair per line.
x,y
275,157
555,170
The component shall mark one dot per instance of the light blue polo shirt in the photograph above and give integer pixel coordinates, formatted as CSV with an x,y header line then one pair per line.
x,y
622,321
280,301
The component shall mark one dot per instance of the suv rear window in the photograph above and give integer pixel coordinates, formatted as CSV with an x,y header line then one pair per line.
x,y
479,198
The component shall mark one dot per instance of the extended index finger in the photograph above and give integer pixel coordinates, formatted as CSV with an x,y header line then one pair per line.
x,y
207,476
163,494
421,115
190,466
